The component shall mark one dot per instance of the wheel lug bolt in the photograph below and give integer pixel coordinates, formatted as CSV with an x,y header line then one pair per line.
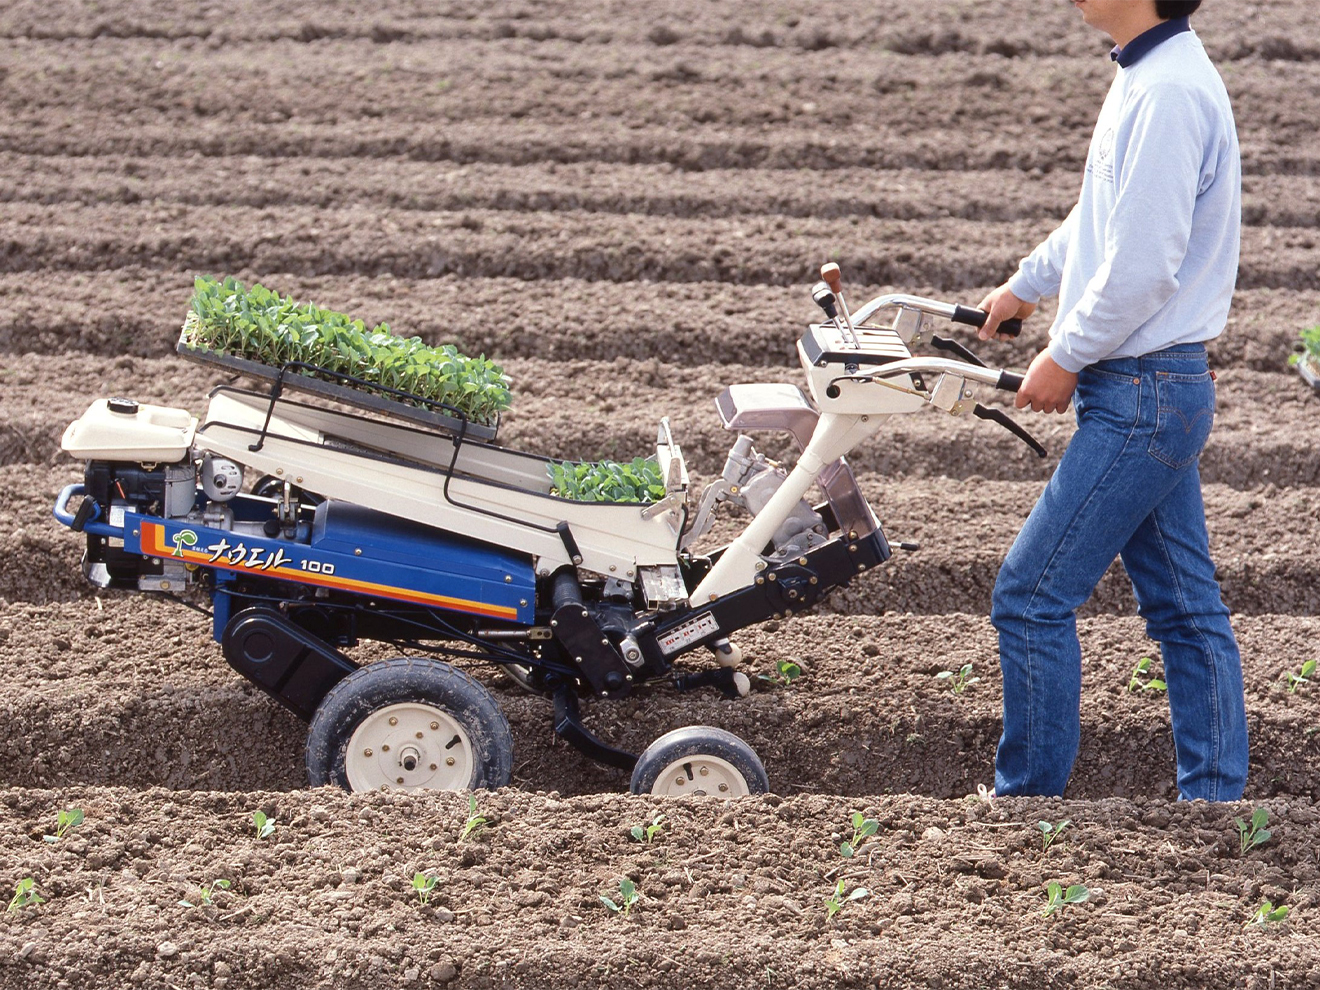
x,y
400,780
680,782
419,735
724,787
449,762
704,771
394,720
366,752
385,748
434,726
434,767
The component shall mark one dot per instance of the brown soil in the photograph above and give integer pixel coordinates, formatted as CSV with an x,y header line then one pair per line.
x,y
624,204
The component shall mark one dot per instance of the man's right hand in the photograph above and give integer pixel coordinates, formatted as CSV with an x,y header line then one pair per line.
x,y
1002,305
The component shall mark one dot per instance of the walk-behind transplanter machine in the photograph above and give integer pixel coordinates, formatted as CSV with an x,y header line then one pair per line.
x,y
406,523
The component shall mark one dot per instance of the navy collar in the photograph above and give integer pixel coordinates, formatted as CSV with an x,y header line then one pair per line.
x,y
1148,40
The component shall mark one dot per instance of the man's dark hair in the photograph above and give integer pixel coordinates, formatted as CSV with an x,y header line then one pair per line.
x,y
1166,10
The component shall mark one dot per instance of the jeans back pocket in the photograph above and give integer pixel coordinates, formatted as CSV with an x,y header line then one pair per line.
x,y
1185,413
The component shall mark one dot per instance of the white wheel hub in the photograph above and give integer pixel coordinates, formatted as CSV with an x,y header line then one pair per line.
x,y
408,747
700,774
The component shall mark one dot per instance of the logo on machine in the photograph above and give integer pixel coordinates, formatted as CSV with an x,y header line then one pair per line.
x,y
183,538
253,558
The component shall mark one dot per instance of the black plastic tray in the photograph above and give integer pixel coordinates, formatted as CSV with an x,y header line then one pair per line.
x,y
300,382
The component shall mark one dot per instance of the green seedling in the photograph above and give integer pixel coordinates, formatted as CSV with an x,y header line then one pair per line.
x,y
863,829
423,885
835,902
1310,343
628,896
65,822
1267,914
1254,834
786,672
646,833
1135,682
1056,897
206,895
959,681
474,824
1294,681
1049,832
265,826
25,895
608,481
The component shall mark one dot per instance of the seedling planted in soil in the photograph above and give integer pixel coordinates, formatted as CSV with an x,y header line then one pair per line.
x,y
1135,682
474,824
863,829
1267,914
1294,681
423,885
65,822
835,902
628,896
265,826
1049,832
1056,897
25,895
959,681
205,895
646,833
786,672
1254,834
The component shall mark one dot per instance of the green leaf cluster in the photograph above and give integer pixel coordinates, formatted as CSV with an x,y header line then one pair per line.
x,y
1310,339
608,481
1254,833
863,829
629,895
260,325
1056,897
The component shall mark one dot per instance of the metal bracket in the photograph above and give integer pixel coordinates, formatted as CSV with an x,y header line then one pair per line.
x,y
569,727
590,651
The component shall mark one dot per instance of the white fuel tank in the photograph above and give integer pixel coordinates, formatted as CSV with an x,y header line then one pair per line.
x,y
125,430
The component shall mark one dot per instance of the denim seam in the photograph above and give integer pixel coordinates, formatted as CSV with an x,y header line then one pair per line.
x,y
1209,650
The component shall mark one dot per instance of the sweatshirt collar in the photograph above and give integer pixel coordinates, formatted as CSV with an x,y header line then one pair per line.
x,y
1145,42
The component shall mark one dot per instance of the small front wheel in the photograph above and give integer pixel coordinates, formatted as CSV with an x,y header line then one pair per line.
x,y
699,759
409,724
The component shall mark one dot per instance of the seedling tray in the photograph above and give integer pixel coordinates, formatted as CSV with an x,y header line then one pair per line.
x,y
1310,373
300,382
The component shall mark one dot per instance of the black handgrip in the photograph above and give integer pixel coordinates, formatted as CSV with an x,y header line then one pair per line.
x,y
1003,419
976,318
1009,381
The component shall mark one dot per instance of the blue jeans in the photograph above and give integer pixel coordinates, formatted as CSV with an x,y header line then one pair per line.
x,y
1127,486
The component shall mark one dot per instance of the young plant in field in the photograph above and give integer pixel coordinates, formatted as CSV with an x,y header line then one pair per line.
x,y
960,680
1296,680
206,895
1254,833
265,826
836,901
786,672
423,885
1135,682
1049,832
608,481
65,822
1056,897
1310,343
628,896
474,824
863,829
25,895
1267,914
647,833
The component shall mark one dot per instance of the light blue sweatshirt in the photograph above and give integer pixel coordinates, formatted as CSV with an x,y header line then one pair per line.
x,y
1148,257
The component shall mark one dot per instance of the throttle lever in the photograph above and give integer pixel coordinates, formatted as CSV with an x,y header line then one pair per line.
x,y
1008,423
954,347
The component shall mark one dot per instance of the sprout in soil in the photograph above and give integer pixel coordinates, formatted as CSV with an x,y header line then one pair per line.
x,y
1309,341
25,895
646,833
206,895
423,885
1254,834
863,829
835,902
1049,832
1056,897
628,896
1294,681
474,824
65,822
786,672
959,681
1267,914
1135,682
265,826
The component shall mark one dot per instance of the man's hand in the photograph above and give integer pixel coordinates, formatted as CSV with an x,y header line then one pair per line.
x,y
1002,305
1046,387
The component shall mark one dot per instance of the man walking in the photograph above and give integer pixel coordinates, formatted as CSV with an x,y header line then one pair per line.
x,y
1144,267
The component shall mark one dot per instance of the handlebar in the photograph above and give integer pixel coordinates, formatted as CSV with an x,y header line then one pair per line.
x,y
977,317
949,311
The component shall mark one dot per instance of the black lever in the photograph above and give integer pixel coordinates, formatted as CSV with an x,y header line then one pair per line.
x,y
946,344
1008,423
976,318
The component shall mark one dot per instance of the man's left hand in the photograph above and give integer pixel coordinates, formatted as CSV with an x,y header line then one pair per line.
x,y
1046,387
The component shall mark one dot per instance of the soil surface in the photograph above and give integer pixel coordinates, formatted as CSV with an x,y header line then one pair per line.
x,y
625,205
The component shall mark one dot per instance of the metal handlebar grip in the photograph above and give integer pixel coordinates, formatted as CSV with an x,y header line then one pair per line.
x,y
1009,381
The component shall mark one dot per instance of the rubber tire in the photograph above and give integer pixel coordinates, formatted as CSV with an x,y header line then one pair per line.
x,y
415,679
698,740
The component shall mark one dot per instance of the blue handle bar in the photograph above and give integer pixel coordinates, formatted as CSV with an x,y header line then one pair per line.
x,y
65,517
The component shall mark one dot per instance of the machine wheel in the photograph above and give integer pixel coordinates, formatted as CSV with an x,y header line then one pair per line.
x,y
699,759
409,724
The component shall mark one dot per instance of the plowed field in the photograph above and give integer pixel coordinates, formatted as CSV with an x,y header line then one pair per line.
x,y
625,204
